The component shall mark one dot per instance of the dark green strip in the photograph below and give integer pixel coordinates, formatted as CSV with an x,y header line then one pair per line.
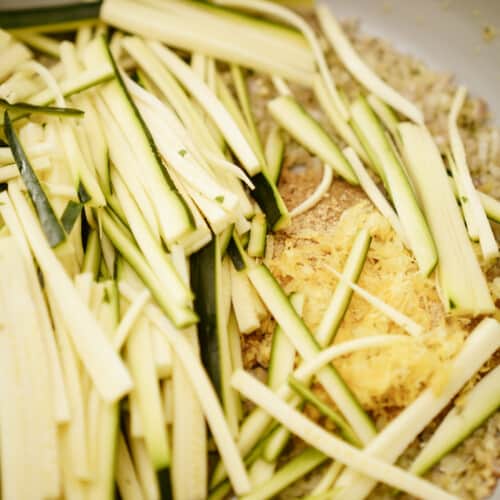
x,y
236,253
165,484
71,213
50,224
24,18
45,110
203,283
266,194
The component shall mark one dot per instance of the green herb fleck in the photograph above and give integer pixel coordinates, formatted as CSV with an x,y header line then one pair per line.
x,y
219,199
183,152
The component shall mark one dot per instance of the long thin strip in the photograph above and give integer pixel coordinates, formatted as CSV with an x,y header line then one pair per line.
x,y
211,105
476,216
401,431
44,110
170,28
293,470
398,317
336,118
189,439
103,365
359,68
458,265
206,396
292,117
60,398
392,172
50,224
341,298
330,445
308,395
277,302
20,321
465,417
290,17
373,192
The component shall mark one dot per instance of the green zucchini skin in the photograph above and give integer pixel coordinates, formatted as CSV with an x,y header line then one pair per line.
x,y
267,196
48,219
25,107
203,266
41,16
71,213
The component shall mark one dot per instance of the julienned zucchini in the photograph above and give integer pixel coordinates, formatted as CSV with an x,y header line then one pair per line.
x,y
270,201
274,151
164,193
24,107
51,18
308,132
341,297
458,266
48,219
460,422
209,278
258,232
307,394
119,235
205,271
296,468
371,134
278,304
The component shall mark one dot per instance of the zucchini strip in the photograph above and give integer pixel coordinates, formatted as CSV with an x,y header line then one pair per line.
x,y
293,470
274,151
50,18
340,124
127,481
60,397
341,298
281,363
50,224
401,431
139,358
206,396
373,192
43,44
331,446
359,69
169,28
70,215
396,316
465,417
166,198
20,320
392,172
293,118
211,105
27,108
13,56
477,222
151,248
121,239
291,18
277,302
104,367
189,456
458,266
